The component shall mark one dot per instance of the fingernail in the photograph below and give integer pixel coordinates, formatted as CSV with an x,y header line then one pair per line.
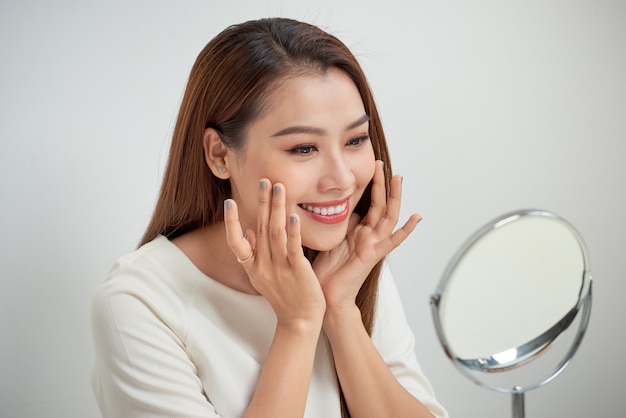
x,y
227,204
292,219
382,164
245,235
263,185
276,189
401,180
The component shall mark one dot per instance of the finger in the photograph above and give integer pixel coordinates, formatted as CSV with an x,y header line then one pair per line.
x,y
392,210
240,247
402,233
277,231
263,216
294,240
378,197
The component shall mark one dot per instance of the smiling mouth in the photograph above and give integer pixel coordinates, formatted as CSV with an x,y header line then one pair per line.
x,y
326,210
329,213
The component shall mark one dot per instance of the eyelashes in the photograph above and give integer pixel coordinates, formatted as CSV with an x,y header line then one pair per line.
x,y
308,149
359,140
302,150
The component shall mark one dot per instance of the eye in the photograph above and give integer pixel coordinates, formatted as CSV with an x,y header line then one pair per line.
x,y
303,150
358,141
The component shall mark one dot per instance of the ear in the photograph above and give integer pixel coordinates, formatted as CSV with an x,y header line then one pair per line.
x,y
215,153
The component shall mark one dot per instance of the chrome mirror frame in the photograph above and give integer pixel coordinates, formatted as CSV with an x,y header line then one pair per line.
x,y
527,352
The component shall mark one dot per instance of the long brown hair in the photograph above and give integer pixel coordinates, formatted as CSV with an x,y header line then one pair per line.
x,y
227,90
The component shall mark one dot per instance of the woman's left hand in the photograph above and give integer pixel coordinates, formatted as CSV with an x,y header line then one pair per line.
x,y
342,270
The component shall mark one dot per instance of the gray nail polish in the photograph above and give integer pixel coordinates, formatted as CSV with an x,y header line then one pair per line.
x,y
227,204
276,189
292,219
263,185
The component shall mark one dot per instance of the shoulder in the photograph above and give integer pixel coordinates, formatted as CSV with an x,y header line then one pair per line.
x,y
395,340
390,323
139,323
388,302
151,283
157,264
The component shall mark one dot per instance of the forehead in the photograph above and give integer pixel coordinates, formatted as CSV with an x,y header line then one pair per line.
x,y
313,99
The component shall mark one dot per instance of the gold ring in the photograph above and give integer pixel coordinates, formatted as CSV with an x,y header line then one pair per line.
x,y
245,260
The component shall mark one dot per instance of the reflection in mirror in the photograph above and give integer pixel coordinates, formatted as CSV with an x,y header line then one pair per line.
x,y
515,287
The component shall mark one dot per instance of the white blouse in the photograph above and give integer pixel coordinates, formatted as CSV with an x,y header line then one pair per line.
x,y
172,342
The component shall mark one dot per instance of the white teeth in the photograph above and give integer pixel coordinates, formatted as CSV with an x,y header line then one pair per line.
x,y
324,211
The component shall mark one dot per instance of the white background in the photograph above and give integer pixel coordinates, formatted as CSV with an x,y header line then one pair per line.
x,y
489,106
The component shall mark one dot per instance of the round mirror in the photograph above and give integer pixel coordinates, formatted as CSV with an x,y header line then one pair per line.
x,y
518,287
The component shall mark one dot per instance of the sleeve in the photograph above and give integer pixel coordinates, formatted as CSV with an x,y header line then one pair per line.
x,y
396,343
141,367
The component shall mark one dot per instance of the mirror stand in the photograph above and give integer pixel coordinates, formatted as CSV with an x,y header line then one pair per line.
x,y
518,403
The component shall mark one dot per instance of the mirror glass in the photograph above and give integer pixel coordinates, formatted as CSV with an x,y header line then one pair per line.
x,y
511,290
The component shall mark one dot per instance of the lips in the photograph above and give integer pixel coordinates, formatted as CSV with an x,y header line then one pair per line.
x,y
329,212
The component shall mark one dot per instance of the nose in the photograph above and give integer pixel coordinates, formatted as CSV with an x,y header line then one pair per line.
x,y
336,174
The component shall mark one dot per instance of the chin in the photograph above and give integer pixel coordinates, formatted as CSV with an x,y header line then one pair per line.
x,y
326,243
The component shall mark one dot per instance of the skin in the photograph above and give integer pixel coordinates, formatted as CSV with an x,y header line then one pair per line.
x,y
310,150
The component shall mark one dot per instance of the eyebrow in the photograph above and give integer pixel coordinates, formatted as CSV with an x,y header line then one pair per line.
x,y
299,129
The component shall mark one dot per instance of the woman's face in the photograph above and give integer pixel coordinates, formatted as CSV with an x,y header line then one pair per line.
x,y
315,141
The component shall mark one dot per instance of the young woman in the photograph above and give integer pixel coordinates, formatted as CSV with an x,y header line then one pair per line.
x,y
259,288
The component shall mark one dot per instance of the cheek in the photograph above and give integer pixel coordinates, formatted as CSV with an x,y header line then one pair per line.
x,y
294,179
365,171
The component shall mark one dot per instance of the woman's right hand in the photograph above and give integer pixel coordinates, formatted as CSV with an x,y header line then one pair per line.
x,y
280,272
277,269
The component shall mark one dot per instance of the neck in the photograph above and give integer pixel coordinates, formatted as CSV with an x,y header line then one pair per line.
x,y
208,250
